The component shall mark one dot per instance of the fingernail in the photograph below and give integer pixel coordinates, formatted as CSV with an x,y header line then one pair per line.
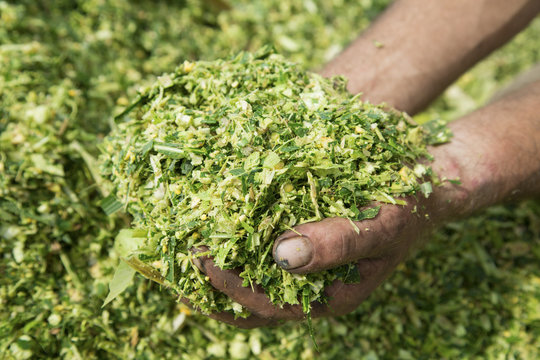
x,y
198,263
293,253
196,260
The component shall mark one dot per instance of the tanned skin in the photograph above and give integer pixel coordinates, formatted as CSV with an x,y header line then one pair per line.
x,y
422,47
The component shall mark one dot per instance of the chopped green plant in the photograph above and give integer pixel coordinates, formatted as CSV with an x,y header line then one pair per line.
x,y
227,154
66,67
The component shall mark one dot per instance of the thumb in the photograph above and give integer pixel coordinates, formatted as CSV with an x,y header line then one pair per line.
x,y
323,245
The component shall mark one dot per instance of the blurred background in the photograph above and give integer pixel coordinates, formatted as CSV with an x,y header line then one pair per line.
x,y
66,67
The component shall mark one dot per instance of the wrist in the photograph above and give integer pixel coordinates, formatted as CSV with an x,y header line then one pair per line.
x,y
493,157
451,197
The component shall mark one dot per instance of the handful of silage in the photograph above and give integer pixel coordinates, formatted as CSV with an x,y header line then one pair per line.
x,y
229,154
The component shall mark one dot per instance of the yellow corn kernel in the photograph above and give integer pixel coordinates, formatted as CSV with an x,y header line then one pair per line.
x,y
122,101
188,66
324,141
404,173
185,310
128,155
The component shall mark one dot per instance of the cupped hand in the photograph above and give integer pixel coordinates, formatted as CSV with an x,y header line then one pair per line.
x,y
377,246
494,159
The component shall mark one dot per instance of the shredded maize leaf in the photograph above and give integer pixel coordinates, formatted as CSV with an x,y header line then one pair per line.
x,y
230,153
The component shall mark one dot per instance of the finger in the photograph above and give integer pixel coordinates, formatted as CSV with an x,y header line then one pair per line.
x,y
250,322
322,245
251,297
343,298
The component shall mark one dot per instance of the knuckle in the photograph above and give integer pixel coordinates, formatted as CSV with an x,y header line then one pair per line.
x,y
348,242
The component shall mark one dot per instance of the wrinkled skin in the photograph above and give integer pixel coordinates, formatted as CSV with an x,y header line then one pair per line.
x,y
397,226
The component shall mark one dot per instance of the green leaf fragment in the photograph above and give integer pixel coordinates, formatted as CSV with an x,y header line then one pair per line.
x,y
129,241
110,205
306,306
171,150
368,213
252,161
438,132
271,160
147,271
426,189
123,277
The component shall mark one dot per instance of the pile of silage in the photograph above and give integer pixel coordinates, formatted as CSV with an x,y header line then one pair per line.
x,y
229,154
472,293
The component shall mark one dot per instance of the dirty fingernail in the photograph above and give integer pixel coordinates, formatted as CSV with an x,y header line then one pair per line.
x,y
196,260
293,253
198,263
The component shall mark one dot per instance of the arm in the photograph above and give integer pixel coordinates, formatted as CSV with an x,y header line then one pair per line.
x,y
425,46
495,152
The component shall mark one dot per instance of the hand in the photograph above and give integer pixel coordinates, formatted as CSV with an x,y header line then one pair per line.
x,y
378,248
495,154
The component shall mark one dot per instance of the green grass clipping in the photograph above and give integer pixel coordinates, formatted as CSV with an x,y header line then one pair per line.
x,y
228,154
